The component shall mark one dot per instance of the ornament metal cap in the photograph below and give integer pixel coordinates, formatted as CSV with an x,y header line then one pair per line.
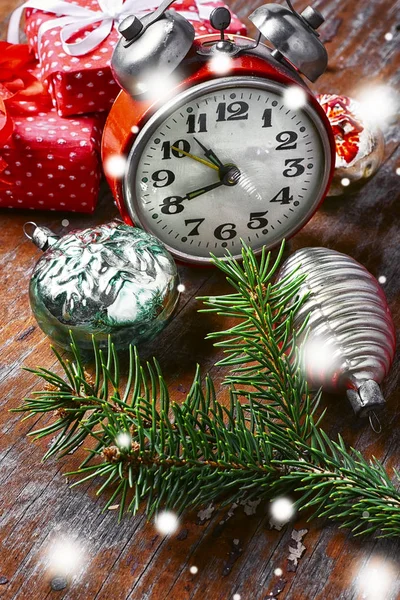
x,y
42,237
367,399
293,35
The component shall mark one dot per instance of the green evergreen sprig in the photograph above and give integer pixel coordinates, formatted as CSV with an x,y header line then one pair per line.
x,y
267,442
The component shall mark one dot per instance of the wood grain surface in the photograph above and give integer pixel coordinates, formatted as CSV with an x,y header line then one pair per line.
x,y
235,552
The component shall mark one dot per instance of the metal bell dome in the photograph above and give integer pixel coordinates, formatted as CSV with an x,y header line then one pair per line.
x,y
149,48
294,36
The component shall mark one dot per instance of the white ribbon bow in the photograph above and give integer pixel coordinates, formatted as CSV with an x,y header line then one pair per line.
x,y
73,19
205,8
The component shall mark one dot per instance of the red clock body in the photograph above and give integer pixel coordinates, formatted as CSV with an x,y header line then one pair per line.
x,y
252,84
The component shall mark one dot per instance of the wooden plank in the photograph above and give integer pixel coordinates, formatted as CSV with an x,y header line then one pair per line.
x,y
237,554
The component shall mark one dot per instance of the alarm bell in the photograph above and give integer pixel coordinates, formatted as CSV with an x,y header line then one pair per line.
x,y
155,45
150,47
294,36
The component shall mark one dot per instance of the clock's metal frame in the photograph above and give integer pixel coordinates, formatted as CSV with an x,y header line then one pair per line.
x,y
129,182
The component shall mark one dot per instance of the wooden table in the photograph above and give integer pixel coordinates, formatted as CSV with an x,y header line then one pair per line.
x,y
235,555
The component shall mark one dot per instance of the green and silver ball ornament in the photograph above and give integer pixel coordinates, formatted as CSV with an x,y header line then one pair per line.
x,y
112,279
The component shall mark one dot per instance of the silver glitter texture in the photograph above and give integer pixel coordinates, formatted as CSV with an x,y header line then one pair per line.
x,y
112,279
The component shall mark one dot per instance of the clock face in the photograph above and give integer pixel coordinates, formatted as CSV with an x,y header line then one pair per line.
x,y
225,161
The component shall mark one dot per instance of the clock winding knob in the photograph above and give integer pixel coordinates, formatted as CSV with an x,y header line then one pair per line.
x,y
312,16
130,28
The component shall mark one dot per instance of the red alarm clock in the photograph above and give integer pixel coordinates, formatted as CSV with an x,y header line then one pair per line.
x,y
238,149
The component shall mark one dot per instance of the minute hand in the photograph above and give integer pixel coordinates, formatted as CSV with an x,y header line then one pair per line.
x,y
203,190
209,153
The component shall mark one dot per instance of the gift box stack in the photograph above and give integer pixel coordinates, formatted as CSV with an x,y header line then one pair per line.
x,y
46,161
55,93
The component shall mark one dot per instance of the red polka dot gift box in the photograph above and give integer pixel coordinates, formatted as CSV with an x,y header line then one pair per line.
x,y
74,40
46,162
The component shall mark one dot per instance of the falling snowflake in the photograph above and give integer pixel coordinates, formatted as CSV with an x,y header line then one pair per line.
x,y
166,522
282,510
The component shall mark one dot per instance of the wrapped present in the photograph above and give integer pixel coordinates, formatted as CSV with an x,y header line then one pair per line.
x,y
73,42
46,162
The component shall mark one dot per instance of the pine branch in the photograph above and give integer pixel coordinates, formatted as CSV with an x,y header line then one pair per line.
x,y
264,444
339,484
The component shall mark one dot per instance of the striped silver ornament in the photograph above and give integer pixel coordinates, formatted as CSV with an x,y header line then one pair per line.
x,y
351,336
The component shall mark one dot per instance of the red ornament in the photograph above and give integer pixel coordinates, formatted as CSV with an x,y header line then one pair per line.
x,y
359,145
345,126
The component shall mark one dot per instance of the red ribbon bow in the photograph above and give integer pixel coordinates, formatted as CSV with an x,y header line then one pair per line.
x,y
16,83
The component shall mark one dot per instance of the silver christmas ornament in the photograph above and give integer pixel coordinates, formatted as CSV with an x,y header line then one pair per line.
x,y
111,279
351,336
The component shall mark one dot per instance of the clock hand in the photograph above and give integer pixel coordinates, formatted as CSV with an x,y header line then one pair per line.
x,y
229,175
203,190
210,154
200,160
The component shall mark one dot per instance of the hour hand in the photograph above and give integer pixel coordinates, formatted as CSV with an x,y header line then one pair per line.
x,y
203,190
209,154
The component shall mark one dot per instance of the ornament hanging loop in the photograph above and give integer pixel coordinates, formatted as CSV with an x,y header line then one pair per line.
x,y
374,422
27,234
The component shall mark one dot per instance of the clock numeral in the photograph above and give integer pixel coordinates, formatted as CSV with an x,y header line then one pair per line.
x,y
195,230
172,205
267,117
295,168
257,220
226,231
283,196
201,122
163,178
287,139
166,149
238,111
